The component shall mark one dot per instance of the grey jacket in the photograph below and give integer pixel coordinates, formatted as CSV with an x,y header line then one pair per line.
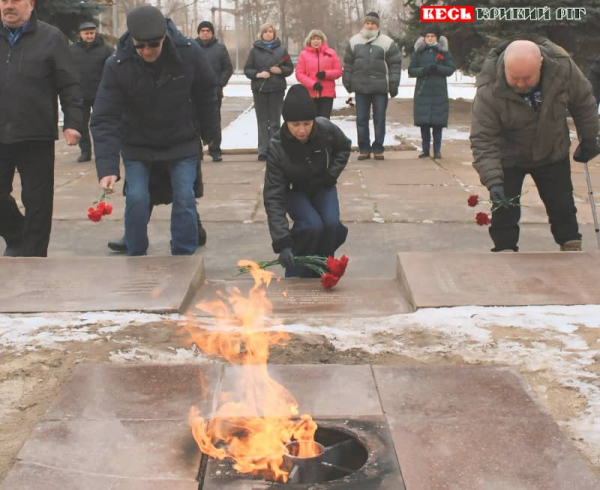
x,y
507,132
372,66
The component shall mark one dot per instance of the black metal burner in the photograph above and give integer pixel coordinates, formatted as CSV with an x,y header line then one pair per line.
x,y
355,454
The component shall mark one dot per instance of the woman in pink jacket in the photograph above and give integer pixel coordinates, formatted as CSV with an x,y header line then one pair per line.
x,y
318,68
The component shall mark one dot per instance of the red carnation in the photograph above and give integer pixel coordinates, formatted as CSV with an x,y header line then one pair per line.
x,y
482,219
473,200
328,280
440,56
337,266
108,208
100,207
94,215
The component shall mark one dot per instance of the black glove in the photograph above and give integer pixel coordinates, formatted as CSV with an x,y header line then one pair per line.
x,y
586,150
317,86
286,258
321,75
497,195
393,92
428,70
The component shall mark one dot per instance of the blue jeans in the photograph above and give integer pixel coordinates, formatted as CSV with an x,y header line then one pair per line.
x,y
317,228
184,221
426,137
363,111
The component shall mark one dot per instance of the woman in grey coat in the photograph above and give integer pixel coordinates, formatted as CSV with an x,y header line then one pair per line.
x,y
431,63
267,66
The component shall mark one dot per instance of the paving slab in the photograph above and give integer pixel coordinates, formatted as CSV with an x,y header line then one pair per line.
x,y
452,427
431,280
301,297
160,284
323,391
143,392
475,427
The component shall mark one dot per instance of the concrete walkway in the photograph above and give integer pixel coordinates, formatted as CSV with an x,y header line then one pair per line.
x,y
401,204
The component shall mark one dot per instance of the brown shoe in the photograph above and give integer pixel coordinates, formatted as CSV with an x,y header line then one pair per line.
x,y
571,246
364,156
378,156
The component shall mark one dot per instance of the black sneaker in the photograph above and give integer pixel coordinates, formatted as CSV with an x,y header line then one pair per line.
x,y
216,157
118,245
201,233
425,154
437,155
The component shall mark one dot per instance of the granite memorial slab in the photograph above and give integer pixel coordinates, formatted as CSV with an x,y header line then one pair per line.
x,y
157,284
293,297
429,427
432,280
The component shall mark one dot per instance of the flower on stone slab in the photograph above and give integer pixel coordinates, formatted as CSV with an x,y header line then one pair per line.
x,y
473,200
337,266
328,280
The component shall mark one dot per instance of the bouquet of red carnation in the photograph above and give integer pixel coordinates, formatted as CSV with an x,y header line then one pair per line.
x,y
102,207
483,218
330,269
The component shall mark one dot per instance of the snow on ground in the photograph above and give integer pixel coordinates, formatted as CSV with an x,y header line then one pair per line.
x,y
551,343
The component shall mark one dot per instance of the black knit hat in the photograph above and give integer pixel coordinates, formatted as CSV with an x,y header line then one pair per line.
x,y
208,24
372,17
298,105
430,28
146,22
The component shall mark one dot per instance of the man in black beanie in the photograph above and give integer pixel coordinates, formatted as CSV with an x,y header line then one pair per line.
x,y
304,160
372,65
220,62
154,94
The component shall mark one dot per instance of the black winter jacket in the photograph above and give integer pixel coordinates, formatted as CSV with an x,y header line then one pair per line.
x,y
372,66
154,121
36,70
262,58
283,173
89,59
431,105
219,60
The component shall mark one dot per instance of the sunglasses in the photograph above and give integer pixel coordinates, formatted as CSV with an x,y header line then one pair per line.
x,y
150,44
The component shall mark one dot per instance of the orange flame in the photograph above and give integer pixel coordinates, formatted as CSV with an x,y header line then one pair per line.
x,y
252,425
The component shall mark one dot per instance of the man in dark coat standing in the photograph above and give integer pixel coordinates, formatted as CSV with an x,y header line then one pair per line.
x,y
153,94
89,53
36,68
220,62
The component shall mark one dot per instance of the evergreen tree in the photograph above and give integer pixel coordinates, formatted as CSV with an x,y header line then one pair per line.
x,y
471,41
67,14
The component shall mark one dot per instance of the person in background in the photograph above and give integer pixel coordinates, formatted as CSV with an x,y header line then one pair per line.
x,y
220,62
268,65
37,67
90,53
318,68
594,78
372,65
304,161
431,63
525,90
153,94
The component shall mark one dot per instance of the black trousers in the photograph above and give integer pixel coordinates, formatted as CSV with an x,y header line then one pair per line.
x,y
267,106
35,162
324,106
556,191
85,143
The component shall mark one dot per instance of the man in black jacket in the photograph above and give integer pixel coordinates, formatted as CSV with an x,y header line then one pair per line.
x,y
220,62
36,67
153,94
89,54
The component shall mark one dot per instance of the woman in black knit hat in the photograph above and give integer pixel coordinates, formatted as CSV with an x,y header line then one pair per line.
x,y
304,161
431,63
